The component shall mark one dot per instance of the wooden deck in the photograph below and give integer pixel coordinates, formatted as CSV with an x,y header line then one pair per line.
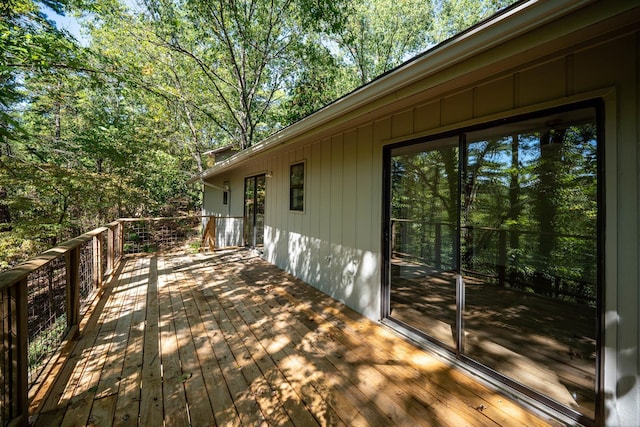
x,y
228,339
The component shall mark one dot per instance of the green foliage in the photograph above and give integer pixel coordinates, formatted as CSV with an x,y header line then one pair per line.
x,y
28,43
380,34
117,128
46,343
320,79
454,16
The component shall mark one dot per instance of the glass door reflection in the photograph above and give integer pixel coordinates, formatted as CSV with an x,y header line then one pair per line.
x,y
513,213
529,254
424,217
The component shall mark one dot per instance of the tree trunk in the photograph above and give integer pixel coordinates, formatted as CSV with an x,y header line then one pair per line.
x,y
547,197
5,214
550,145
515,207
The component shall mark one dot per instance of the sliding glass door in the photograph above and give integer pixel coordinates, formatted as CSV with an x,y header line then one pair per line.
x,y
424,238
493,251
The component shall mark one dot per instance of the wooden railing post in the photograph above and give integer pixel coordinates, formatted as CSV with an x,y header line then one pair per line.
x,y
213,232
97,260
72,260
21,375
111,238
120,242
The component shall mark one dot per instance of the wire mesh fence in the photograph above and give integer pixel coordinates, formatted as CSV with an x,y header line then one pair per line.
x,y
47,314
59,288
88,283
153,235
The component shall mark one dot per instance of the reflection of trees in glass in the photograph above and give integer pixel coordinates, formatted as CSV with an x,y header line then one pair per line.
x,y
520,215
529,209
424,205
528,206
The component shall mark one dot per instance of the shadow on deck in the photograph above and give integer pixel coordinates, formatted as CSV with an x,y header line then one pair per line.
x,y
228,339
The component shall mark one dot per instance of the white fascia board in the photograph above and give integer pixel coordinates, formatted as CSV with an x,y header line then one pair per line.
x,y
505,26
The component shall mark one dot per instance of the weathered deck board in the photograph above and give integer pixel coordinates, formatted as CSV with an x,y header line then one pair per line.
x,y
300,358
80,391
212,366
280,387
227,339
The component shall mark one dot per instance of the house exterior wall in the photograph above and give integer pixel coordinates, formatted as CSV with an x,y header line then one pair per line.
x,y
335,244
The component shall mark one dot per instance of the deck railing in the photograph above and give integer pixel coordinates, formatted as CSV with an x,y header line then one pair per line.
x,y
504,257
145,235
44,300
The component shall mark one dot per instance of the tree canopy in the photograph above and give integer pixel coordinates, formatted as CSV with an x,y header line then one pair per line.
x,y
116,126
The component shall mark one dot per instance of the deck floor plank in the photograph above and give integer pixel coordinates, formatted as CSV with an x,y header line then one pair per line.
x,y
128,399
49,405
111,374
379,370
315,340
151,409
449,392
244,399
82,390
200,412
376,366
220,398
288,393
451,399
174,396
298,366
102,411
268,407
228,339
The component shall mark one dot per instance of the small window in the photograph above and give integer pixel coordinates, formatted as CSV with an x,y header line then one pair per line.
x,y
296,187
225,193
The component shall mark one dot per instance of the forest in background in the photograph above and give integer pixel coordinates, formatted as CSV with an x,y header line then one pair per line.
x,y
115,126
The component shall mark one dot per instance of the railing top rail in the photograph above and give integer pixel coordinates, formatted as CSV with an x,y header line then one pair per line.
x,y
162,218
19,272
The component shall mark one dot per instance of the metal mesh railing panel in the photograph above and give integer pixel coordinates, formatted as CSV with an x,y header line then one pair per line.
x,y
88,276
145,236
47,321
137,237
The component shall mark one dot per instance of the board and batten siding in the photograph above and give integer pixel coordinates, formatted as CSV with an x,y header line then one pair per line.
x,y
335,243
